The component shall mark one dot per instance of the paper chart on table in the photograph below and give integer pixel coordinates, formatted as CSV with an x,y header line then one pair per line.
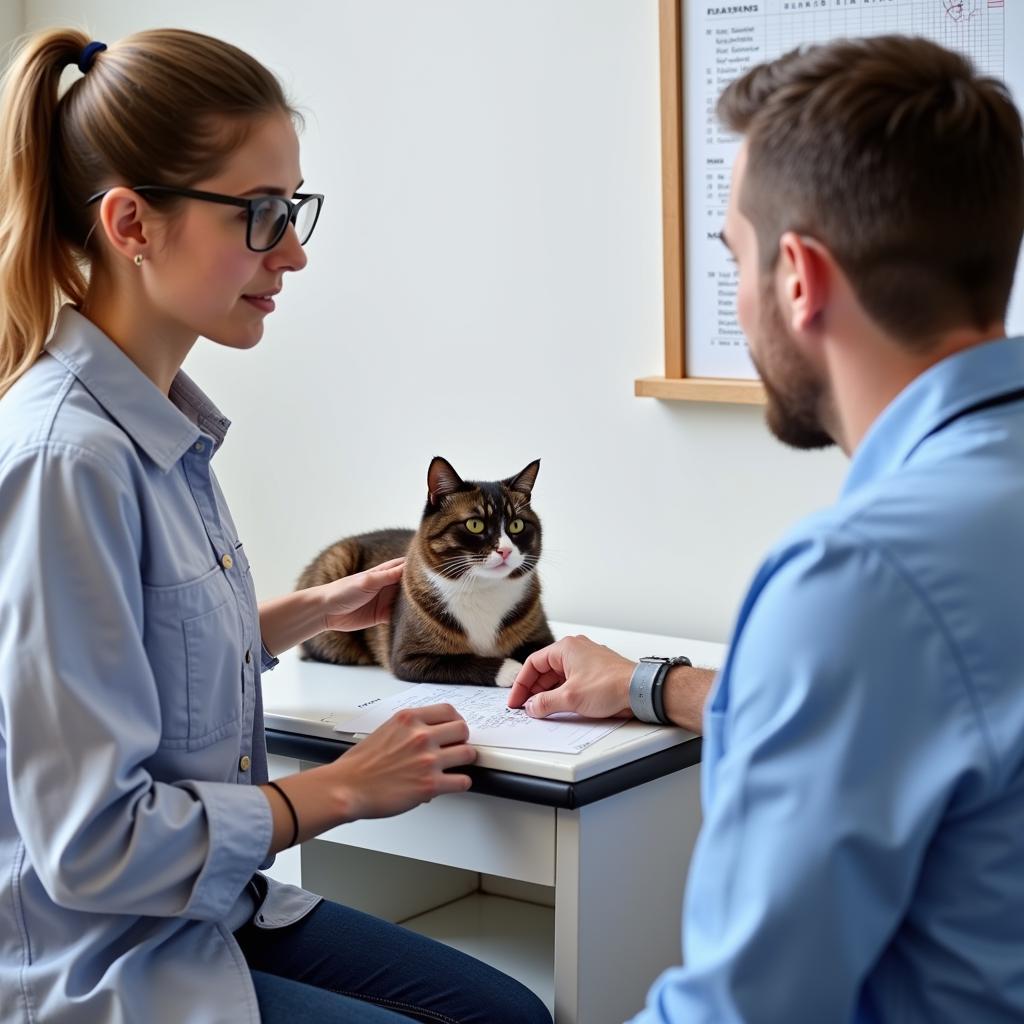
x,y
491,723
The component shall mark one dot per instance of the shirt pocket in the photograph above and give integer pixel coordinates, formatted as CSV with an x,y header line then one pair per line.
x,y
193,636
253,638
242,560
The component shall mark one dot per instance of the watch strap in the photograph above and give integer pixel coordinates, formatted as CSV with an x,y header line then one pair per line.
x,y
641,683
658,696
658,684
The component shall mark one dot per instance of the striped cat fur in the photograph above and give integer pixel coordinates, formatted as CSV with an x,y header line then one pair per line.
x,y
469,608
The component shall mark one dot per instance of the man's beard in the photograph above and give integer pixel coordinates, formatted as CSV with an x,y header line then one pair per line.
x,y
796,395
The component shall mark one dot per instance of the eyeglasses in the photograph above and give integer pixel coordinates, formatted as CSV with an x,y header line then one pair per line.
x,y
267,218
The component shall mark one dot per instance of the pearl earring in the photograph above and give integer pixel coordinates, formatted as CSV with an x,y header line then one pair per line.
x,y
138,259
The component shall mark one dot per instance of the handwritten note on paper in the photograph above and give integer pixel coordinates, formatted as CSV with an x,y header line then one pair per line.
x,y
491,723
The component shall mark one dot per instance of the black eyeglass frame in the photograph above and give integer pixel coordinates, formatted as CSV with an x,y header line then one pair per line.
x,y
249,205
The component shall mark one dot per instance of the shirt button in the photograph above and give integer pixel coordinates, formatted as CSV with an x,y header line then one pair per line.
x,y
248,657
227,561
244,762
198,446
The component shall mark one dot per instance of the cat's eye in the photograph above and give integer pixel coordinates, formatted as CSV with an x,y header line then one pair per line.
x,y
516,526
475,525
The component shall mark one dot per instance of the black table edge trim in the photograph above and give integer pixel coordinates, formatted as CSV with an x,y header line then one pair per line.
x,y
513,785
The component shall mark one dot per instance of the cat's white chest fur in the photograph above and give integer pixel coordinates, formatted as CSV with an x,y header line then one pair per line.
x,y
480,606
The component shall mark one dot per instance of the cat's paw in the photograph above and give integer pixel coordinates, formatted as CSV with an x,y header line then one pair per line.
x,y
507,673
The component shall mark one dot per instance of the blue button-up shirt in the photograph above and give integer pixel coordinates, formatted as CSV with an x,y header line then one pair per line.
x,y
862,854
131,726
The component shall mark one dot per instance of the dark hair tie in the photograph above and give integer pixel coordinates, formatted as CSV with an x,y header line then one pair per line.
x,y
88,55
291,807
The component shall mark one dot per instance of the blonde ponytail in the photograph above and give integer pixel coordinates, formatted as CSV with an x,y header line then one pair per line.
x,y
162,107
36,265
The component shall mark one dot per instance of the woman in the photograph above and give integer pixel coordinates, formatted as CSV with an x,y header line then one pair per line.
x,y
136,809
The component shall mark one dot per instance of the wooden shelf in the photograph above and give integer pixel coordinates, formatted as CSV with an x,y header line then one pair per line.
x,y
676,384
702,389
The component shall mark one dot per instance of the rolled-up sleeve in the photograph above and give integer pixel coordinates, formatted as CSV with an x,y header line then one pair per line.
x,y
834,767
267,660
80,712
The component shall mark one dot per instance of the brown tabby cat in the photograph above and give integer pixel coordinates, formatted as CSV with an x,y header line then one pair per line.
x,y
469,608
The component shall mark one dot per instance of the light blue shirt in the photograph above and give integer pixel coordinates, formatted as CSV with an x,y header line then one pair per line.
x,y
131,724
862,854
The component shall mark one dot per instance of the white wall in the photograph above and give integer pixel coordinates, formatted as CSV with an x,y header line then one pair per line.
x,y
485,283
12,21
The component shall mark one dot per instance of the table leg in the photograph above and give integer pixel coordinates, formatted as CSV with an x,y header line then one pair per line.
x,y
620,869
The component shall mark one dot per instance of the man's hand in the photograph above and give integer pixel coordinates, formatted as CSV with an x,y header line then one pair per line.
x,y
574,674
364,598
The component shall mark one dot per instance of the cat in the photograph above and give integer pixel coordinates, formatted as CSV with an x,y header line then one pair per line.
x,y
469,608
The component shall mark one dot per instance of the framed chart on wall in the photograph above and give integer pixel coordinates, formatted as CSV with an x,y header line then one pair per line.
x,y
704,45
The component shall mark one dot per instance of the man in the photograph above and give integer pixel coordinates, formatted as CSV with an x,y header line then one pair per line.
x,y
862,854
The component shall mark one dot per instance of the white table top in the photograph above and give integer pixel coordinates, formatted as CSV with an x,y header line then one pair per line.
x,y
311,698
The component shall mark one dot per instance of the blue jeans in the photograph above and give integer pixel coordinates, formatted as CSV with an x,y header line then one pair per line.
x,y
339,964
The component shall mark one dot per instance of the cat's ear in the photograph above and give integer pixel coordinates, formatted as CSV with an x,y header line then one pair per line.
x,y
525,479
441,480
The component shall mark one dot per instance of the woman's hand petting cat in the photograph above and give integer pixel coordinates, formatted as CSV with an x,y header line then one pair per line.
x,y
364,598
574,674
403,762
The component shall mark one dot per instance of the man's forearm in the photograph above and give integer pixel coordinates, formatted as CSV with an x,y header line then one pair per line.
x,y
686,690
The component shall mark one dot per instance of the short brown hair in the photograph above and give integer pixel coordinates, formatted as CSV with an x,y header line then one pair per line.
x,y
903,161
164,106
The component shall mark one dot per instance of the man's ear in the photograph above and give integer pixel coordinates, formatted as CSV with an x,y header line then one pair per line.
x,y
803,279
126,220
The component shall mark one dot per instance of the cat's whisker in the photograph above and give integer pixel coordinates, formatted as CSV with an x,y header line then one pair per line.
x,y
456,563
450,567
556,557
465,585
455,572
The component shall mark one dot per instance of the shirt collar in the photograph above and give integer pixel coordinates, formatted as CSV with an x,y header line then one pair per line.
x,y
163,426
931,400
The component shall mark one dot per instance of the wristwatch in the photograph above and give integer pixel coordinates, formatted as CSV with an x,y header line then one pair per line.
x,y
646,696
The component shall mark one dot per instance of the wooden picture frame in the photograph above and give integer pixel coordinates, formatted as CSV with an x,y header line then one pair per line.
x,y
675,384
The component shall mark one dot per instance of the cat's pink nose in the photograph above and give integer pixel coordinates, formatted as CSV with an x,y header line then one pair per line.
x,y
504,552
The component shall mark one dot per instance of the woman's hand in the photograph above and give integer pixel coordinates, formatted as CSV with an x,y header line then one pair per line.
x,y
353,602
574,674
403,762
364,598
400,765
